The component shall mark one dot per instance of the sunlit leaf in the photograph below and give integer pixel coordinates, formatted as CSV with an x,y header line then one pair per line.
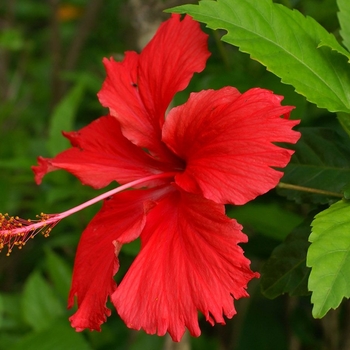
x,y
344,19
321,161
286,271
329,258
286,42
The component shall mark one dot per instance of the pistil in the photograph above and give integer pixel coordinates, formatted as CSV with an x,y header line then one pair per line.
x,y
15,231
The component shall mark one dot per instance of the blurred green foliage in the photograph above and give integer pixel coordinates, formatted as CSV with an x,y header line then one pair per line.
x,y
50,72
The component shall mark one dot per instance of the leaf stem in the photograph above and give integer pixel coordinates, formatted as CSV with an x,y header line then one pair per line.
x,y
286,186
222,50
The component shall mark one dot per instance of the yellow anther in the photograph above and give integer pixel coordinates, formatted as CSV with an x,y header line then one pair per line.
x,y
15,231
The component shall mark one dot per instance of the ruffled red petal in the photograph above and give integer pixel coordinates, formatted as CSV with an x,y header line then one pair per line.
x,y
120,221
227,141
189,261
168,62
101,154
138,90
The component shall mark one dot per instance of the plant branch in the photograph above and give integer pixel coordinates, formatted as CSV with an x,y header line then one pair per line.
x,y
55,49
221,48
85,27
286,186
7,22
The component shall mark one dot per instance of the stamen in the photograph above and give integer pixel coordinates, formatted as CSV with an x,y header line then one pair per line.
x,y
15,231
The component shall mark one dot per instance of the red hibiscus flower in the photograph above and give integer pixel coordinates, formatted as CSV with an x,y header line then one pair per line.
x,y
218,148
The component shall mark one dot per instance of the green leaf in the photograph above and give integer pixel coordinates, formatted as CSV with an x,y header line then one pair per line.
x,y
261,218
329,258
60,273
286,271
57,337
344,120
11,312
11,39
62,119
286,42
344,19
40,306
321,161
132,248
146,341
346,190
333,44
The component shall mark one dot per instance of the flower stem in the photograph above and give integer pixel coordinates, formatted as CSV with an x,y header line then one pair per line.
x,y
286,186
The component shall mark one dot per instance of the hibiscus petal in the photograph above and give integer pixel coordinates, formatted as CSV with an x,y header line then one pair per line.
x,y
189,261
138,90
227,141
120,94
120,221
101,154
168,62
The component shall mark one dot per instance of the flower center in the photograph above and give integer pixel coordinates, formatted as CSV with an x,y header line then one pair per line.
x,y
15,231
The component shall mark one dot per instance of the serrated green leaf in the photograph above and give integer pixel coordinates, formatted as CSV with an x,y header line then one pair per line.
x,y
321,161
62,119
40,306
329,258
285,42
60,273
286,271
344,19
333,44
57,337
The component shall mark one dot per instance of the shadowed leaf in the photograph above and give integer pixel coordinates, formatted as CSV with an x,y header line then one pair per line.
x,y
321,161
286,271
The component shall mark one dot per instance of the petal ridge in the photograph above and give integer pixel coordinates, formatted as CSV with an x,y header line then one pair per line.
x,y
189,260
228,141
139,89
120,220
101,154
